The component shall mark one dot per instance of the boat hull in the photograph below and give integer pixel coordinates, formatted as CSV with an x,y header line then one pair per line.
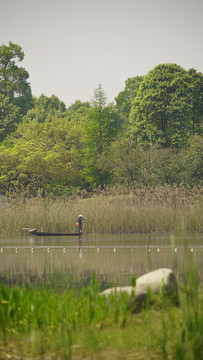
x,y
42,233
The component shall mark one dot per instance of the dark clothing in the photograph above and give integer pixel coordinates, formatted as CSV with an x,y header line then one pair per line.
x,y
80,219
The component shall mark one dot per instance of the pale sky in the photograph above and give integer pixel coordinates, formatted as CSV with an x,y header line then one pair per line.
x,y
71,46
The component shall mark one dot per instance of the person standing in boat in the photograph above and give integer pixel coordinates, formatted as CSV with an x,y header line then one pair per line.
x,y
80,219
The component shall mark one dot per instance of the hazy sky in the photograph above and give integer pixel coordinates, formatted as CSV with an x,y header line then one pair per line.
x,y
71,46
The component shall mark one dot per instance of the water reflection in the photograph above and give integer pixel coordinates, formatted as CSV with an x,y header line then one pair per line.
x,y
114,259
79,245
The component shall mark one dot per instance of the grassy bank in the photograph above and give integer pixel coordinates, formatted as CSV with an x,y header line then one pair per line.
x,y
161,209
42,324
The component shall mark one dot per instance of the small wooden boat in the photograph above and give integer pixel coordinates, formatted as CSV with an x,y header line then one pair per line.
x,y
42,233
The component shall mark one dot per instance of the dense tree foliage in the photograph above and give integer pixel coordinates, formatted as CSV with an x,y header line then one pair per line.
x,y
13,79
43,156
151,135
168,107
153,165
43,107
125,98
78,111
9,116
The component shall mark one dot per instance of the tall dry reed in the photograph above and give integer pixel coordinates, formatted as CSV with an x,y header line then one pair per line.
x,y
144,210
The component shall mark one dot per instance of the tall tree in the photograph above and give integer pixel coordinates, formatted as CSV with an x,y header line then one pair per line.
x,y
100,129
168,106
13,79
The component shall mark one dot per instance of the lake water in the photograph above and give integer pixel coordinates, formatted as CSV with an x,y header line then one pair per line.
x,y
71,261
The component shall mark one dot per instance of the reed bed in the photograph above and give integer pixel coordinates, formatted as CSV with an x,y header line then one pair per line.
x,y
162,209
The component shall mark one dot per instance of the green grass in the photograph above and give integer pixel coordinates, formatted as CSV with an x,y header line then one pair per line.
x,y
45,324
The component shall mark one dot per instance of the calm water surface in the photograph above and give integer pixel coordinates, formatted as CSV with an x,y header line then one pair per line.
x,y
61,261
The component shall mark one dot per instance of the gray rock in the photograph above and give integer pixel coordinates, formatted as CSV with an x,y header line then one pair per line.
x,y
156,281
136,296
138,292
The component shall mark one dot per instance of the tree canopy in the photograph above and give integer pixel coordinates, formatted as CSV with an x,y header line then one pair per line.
x,y
168,107
13,79
9,117
126,97
43,156
151,135
46,106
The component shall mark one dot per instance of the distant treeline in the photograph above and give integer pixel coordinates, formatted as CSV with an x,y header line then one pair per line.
x,y
150,135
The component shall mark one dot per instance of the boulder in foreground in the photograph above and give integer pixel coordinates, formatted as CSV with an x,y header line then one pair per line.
x,y
155,281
